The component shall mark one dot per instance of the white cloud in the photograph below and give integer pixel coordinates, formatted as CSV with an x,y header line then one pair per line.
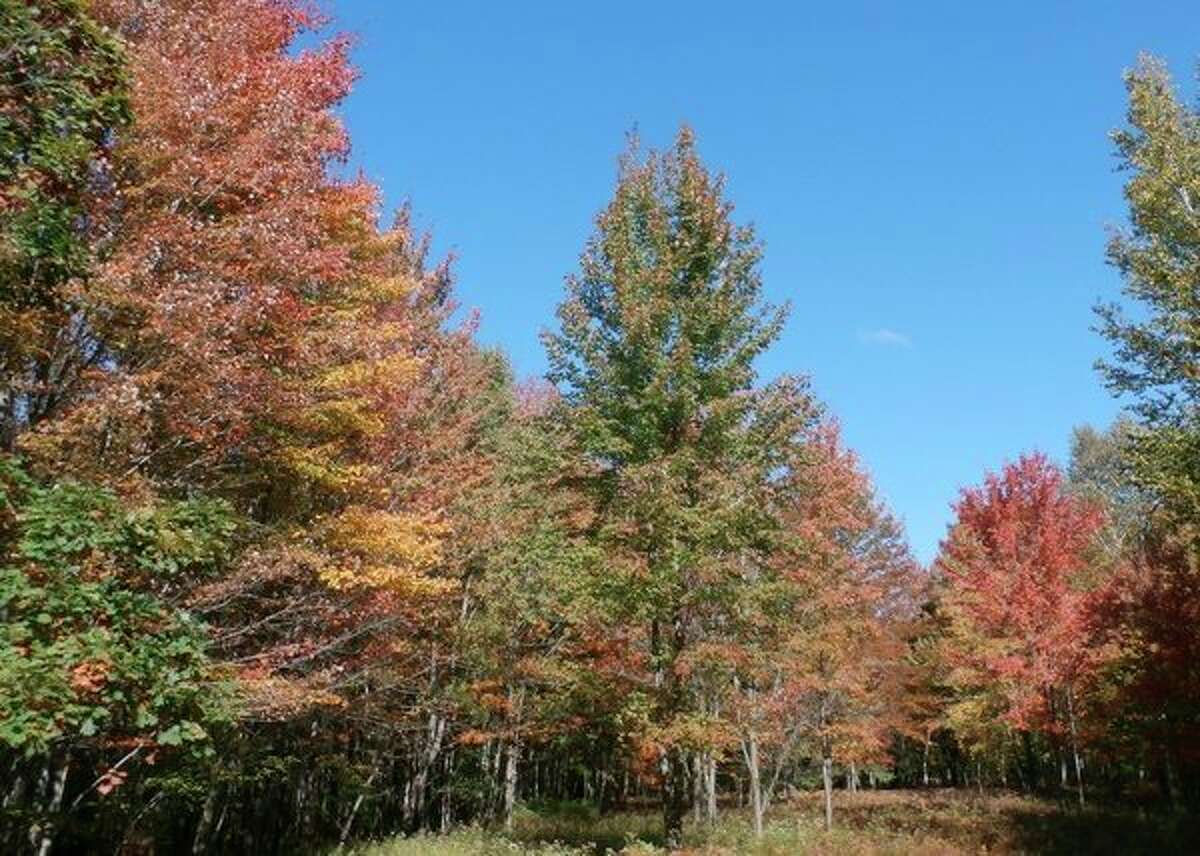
x,y
885,337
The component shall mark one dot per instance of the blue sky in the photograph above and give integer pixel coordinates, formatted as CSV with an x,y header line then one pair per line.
x,y
932,182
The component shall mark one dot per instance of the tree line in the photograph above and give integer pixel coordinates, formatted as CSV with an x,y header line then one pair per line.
x,y
288,559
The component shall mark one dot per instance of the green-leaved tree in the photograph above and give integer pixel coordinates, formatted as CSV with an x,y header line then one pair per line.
x,y
659,334
1157,351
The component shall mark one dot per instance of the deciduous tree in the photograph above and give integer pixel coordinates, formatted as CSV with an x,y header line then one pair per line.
x,y
656,350
1016,561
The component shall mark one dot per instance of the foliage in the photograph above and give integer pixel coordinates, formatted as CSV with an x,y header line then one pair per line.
x,y
1154,360
288,560
94,651
63,99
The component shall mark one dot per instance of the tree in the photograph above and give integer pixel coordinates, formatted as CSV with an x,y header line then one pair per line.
x,y
1100,472
244,329
659,334
1149,604
853,589
63,101
1015,562
525,608
1158,257
229,213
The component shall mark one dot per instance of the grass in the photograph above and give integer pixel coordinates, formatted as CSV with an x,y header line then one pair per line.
x,y
883,823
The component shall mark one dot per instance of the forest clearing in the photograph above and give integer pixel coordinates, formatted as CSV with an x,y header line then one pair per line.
x,y
875,823
298,555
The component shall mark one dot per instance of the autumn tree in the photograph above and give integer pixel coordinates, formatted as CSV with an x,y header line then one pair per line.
x,y
655,354
1016,562
229,214
241,327
1154,365
851,590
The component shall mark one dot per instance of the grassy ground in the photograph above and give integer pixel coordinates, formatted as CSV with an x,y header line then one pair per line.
x,y
873,823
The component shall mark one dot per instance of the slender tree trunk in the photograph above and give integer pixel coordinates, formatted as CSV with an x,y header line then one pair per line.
x,y
672,693
827,776
16,793
489,779
1170,784
605,789
710,786
925,762
433,747
1031,763
750,751
852,778
358,801
1075,746
445,807
512,758
495,788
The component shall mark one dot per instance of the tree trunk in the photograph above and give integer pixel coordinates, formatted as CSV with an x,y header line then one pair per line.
x,y
925,763
445,816
512,758
750,751
673,700
415,810
16,793
1169,783
1031,762
852,778
358,801
1075,746
674,796
827,776
710,786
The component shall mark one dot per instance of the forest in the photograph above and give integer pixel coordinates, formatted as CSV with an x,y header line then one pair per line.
x,y
291,563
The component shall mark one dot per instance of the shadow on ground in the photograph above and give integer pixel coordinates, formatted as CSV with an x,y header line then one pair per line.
x,y
1096,831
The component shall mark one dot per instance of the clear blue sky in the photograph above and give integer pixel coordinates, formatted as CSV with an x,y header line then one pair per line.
x,y
932,182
